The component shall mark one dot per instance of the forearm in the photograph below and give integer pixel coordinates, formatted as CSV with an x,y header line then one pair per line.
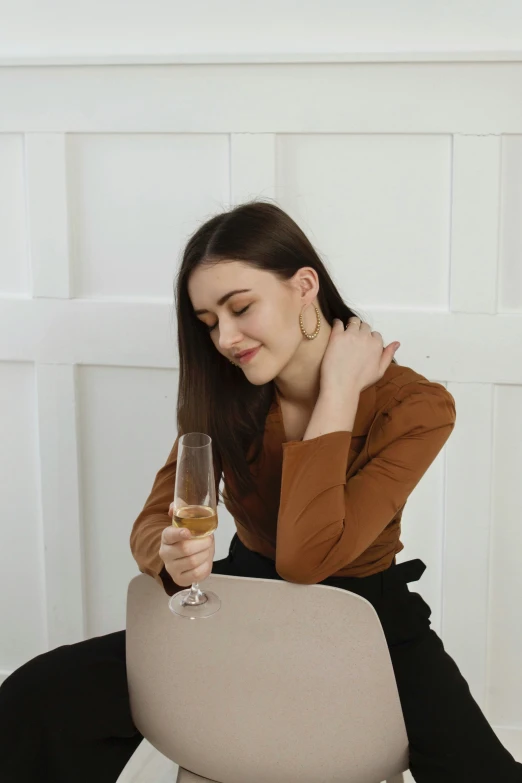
x,y
145,542
333,413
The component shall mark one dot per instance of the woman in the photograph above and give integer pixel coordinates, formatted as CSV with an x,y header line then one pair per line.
x,y
320,437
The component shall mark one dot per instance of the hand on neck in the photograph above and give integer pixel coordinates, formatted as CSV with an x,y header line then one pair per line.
x,y
299,381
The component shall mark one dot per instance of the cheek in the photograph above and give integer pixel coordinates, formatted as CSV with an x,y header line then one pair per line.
x,y
279,317
283,335
270,329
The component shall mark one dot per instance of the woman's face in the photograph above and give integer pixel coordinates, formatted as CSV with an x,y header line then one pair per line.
x,y
247,308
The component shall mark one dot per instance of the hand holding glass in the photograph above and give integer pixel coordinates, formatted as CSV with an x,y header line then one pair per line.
x,y
195,509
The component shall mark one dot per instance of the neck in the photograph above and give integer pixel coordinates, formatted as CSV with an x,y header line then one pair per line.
x,y
299,381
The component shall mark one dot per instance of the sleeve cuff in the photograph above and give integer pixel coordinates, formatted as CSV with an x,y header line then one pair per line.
x,y
322,460
168,583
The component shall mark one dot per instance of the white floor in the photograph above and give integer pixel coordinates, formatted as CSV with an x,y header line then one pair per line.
x,y
148,765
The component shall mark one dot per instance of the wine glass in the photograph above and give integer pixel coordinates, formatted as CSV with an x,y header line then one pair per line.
x,y
195,508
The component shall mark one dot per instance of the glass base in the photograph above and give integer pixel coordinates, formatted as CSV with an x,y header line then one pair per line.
x,y
178,606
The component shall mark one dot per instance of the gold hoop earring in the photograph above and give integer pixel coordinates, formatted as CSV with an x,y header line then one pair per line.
x,y
317,328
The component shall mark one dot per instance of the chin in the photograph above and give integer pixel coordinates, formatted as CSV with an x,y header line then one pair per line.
x,y
259,374
258,377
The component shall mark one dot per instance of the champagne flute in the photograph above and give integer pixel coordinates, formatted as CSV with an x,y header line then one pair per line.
x,y
195,508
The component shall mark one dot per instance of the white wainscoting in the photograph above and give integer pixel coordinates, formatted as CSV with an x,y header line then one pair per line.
x,y
405,175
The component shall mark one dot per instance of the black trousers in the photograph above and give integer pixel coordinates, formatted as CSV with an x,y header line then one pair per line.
x,y
65,716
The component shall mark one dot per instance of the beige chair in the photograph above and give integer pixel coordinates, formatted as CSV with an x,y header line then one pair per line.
x,y
286,683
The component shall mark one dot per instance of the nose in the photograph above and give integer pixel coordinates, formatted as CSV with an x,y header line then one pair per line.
x,y
229,334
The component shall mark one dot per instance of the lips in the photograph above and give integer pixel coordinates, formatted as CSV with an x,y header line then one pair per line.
x,y
245,356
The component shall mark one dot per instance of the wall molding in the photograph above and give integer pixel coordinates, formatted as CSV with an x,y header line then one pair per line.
x,y
209,58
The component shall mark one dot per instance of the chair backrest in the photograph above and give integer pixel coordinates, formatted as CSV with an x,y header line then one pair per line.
x,y
288,683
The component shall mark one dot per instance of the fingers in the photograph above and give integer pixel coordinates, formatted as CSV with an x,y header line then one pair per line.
x,y
192,563
356,324
195,575
188,560
387,356
184,542
173,535
175,546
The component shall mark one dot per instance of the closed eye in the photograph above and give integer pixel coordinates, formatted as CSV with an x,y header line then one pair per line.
x,y
239,312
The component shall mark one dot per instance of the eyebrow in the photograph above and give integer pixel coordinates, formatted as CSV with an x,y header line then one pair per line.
x,y
225,298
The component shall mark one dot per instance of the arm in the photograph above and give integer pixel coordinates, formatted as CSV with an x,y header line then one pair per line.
x,y
333,414
145,538
325,521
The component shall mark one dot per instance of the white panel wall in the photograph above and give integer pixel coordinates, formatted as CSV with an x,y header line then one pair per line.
x,y
510,250
22,597
341,186
411,192
127,429
505,618
134,198
14,269
126,28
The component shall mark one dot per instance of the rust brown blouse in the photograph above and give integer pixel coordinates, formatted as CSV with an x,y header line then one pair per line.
x,y
332,505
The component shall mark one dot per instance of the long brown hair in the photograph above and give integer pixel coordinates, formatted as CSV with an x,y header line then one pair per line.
x,y
214,396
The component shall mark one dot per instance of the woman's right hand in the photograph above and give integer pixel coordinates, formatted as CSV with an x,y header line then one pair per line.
x,y
354,357
186,559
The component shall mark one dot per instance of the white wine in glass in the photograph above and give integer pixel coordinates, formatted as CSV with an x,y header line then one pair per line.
x,y
200,520
195,508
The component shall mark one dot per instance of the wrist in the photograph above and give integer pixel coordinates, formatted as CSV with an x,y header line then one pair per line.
x,y
333,412
339,396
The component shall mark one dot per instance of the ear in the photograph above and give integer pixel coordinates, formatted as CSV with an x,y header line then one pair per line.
x,y
306,283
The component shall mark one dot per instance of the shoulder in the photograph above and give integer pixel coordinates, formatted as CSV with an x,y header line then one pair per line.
x,y
406,406
402,386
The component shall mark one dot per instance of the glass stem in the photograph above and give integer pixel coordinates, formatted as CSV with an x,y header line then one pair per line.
x,y
195,597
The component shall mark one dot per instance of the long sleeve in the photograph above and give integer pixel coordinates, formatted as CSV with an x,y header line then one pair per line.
x,y
145,538
326,521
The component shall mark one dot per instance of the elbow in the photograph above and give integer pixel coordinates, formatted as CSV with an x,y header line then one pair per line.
x,y
311,567
295,570
311,562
